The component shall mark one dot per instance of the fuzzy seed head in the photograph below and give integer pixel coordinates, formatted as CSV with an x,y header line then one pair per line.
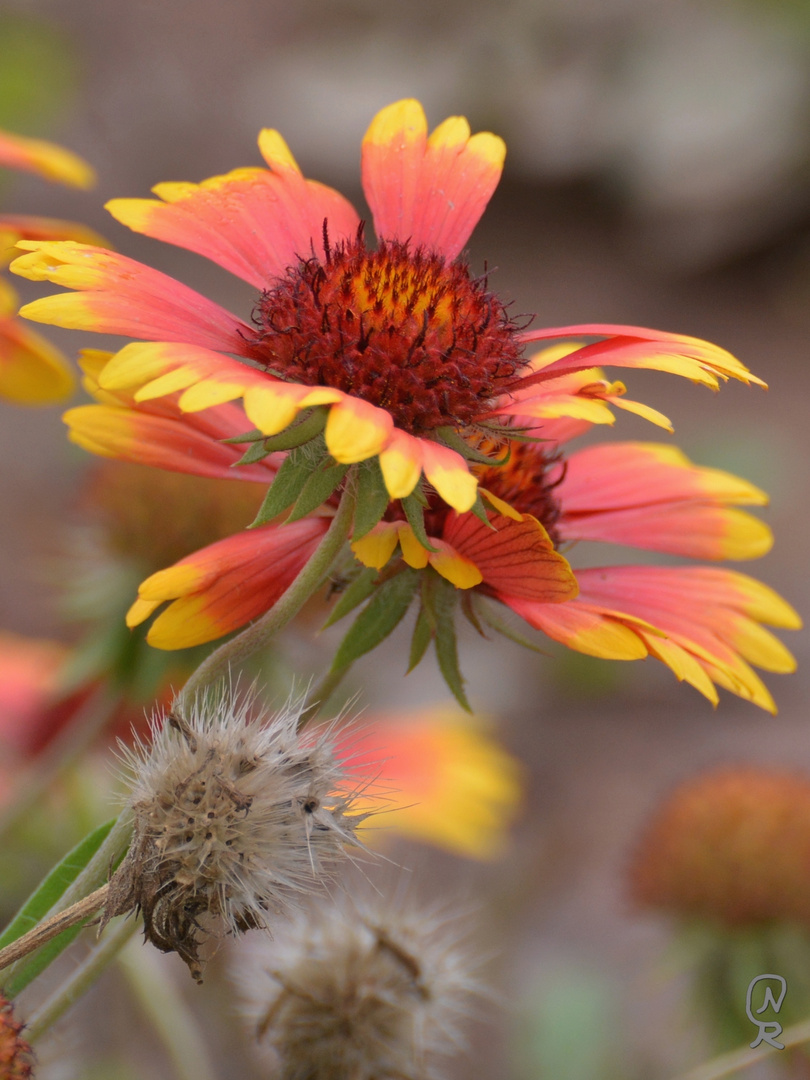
x,y
352,993
235,818
16,1056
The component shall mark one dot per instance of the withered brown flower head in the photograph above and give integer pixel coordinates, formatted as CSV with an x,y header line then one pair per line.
x,y
733,846
361,993
16,1056
236,818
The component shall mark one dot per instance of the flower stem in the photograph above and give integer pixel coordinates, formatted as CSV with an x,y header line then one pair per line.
x,y
83,977
219,664
168,1013
45,931
742,1058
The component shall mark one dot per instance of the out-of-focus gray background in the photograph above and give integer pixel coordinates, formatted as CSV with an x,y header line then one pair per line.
x,y
657,174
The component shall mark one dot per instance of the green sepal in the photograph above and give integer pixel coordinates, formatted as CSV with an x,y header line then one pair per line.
x,y
360,589
470,611
454,441
257,451
415,513
440,600
317,490
372,498
480,511
37,906
486,615
306,426
422,635
378,618
290,480
249,436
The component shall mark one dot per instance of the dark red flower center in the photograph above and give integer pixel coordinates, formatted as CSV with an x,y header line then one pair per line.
x,y
528,482
401,329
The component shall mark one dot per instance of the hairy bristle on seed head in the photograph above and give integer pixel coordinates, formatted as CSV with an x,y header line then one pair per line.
x,y
237,816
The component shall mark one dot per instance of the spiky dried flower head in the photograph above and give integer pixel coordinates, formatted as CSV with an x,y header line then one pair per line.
x,y
16,1056
236,817
732,846
350,992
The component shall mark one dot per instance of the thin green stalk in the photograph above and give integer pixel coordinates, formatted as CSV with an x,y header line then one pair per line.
x,y
168,1013
81,979
82,731
94,875
742,1058
233,653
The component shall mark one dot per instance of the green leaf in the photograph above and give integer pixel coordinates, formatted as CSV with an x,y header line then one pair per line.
x,y
317,490
289,482
307,426
378,618
422,635
415,514
360,589
488,616
372,498
480,511
40,903
456,442
249,436
257,451
443,601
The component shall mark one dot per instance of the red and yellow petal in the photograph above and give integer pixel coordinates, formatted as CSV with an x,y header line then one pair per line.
x,y
650,496
639,347
16,227
515,557
428,190
163,442
253,222
46,159
225,585
454,785
117,295
32,371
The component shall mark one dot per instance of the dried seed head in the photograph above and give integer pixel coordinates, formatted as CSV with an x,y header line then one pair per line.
x,y
235,817
16,1056
351,993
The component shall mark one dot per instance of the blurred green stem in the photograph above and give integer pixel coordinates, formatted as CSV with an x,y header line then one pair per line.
x,y
230,655
737,1060
81,979
168,1012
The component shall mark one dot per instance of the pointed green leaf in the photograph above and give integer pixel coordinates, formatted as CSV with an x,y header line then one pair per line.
x,y
422,635
360,589
442,609
416,519
257,451
480,511
40,903
490,618
317,490
372,498
454,441
378,618
290,479
249,436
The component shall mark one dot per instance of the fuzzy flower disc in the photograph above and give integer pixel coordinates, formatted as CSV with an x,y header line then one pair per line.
x,y
405,331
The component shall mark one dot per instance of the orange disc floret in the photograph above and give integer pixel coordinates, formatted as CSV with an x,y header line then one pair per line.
x,y
404,330
16,1056
732,846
